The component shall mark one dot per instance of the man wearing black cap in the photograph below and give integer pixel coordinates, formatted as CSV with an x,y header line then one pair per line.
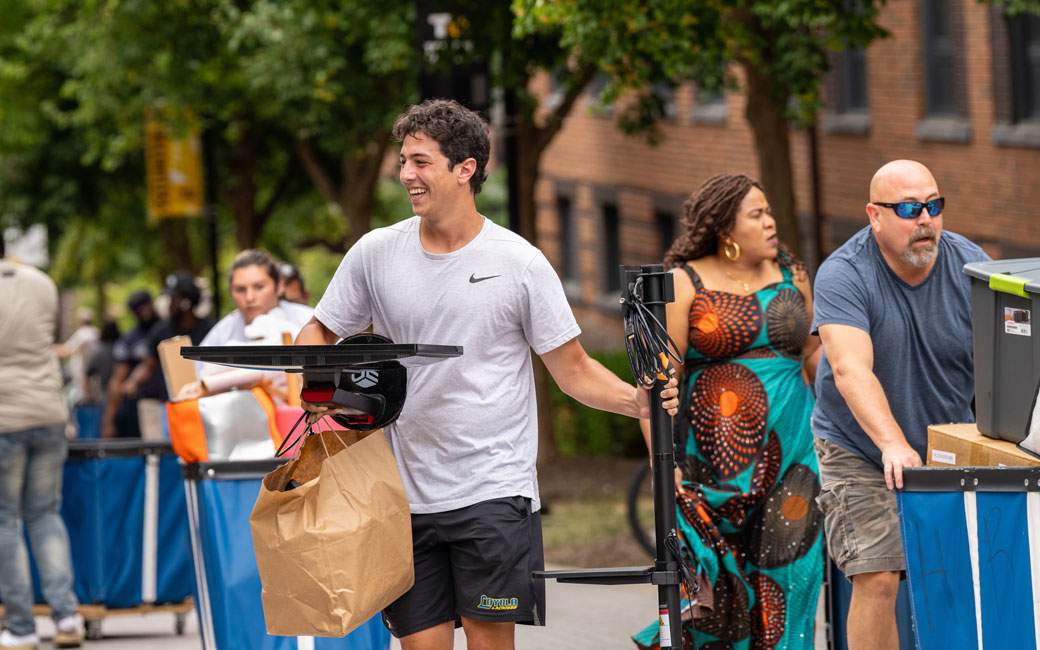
x,y
120,417
184,297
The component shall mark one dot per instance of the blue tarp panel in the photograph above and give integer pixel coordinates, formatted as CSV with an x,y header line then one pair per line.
x,y
972,542
88,420
104,507
231,614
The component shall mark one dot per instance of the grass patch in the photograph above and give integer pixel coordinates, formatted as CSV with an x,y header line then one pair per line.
x,y
578,523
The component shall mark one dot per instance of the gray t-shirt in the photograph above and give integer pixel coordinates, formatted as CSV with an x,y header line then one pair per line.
x,y
921,337
468,431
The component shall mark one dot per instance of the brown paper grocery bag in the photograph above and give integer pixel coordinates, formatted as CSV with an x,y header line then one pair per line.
x,y
337,549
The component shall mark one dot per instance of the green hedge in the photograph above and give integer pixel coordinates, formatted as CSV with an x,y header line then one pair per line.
x,y
583,431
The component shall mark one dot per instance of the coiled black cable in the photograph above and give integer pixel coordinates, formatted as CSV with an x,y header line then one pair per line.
x,y
646,340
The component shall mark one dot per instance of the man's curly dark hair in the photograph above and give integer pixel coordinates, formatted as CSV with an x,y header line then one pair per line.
x,y
460,132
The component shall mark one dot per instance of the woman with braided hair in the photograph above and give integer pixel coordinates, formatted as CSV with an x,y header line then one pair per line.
x,y
746,475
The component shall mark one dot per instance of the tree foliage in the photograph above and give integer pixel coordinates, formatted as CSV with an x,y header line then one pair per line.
x,y
296,96
779,47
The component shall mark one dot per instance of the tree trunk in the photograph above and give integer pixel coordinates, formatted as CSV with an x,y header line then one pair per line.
x,y
354,189
532,140
173,233
242,191
765,116
527,160
102,301
358,189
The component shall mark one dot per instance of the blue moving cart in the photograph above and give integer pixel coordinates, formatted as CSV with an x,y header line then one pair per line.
x,y
123,505
971,536
220,498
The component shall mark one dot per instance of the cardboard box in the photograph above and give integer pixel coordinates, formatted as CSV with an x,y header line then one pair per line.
x,y
177,371
961,445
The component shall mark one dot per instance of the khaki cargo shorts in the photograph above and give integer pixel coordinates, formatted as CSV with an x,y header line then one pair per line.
x,y
861,518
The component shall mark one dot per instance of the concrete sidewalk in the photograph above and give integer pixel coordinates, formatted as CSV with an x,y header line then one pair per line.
x,y
579,616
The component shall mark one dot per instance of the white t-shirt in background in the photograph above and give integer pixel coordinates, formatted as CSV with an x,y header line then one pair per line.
x,y
266,329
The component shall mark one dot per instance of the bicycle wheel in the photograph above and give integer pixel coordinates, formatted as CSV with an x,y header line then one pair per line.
x,y
641,509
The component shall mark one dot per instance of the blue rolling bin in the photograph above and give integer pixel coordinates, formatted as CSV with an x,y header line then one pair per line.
x,y
971,536
124,508
220,498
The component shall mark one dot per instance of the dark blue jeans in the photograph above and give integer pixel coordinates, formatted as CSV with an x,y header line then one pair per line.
x,y
31,462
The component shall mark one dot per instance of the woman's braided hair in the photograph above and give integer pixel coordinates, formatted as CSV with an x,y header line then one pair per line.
x,y
711,211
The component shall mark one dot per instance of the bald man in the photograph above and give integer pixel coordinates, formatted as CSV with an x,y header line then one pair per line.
x,y
892,308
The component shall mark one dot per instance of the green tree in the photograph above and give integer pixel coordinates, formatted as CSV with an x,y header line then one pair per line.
x,y
336,73
288,90
86,209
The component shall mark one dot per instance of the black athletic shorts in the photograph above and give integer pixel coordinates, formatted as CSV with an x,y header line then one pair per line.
x,y
474,562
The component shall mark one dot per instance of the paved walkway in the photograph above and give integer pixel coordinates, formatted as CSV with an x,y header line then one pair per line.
x,y
579,616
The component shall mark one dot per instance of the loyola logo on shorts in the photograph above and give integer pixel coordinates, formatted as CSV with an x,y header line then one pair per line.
x,y
497,603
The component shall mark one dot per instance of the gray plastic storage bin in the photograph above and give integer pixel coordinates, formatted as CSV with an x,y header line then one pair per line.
x,y
1005,301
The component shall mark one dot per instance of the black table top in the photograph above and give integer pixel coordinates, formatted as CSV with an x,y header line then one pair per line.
x,y
297,358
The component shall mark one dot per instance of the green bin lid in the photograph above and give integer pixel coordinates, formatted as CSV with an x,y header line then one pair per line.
x,y
1020,277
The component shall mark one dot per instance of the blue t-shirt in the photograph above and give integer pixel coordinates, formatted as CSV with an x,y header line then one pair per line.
x,y
921,337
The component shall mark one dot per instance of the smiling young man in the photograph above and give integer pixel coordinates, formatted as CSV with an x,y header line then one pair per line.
x,y
466,440
893,310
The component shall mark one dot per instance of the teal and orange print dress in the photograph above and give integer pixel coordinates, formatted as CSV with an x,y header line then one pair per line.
x,y
749,524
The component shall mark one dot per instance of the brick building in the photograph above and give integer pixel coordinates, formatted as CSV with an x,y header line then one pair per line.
x,y
957,86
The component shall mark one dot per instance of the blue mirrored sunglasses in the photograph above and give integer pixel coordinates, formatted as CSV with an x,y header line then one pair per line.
x,y
912,209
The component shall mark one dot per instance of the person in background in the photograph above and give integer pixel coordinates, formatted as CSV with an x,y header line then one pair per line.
x,y
33,449
77,349
293,287
893,311
102,363
259,317
121,416
184,296
747,475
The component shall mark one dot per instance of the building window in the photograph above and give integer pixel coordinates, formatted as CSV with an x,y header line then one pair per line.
x,y
665,94
595,92
939,58
1024,33
667,230
611,249
853,73
710,107
568,265
945,100
1016,79
847,104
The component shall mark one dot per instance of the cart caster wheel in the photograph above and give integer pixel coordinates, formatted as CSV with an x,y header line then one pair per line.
x,y
93,629
179,624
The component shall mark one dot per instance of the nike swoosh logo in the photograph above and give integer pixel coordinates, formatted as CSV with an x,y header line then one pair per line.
x,y
474,279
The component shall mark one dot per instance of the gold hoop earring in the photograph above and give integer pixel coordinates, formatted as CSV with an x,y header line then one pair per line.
x,y
733,255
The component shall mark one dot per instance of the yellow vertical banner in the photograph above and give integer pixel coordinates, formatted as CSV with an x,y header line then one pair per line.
x,y
173,166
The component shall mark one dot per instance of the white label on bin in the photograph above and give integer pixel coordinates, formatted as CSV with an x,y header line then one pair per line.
x,y
947,457
1017,322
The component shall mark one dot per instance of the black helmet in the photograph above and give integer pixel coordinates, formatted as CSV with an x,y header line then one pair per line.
x,y
385,383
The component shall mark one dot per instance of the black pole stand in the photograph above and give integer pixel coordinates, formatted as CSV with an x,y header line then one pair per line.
x,y
657,291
